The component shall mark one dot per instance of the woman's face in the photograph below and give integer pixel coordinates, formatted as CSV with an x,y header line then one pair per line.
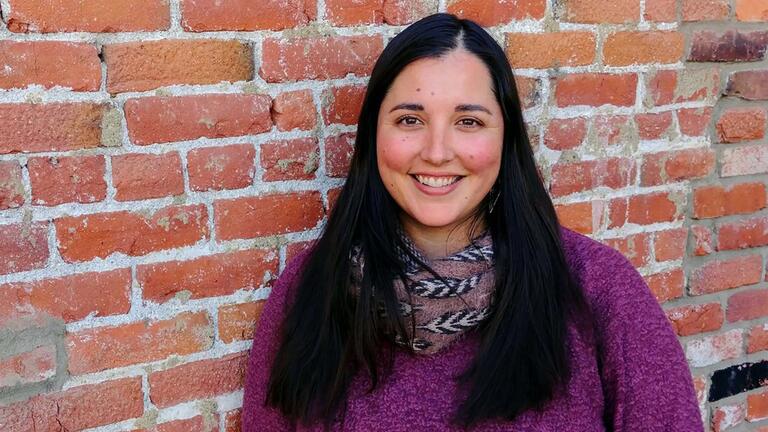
x,y
439,139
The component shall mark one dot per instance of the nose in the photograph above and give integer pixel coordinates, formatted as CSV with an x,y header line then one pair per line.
x,y
438,148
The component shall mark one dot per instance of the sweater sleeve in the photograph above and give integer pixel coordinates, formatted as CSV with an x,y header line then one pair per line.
x,y
646,380
256,417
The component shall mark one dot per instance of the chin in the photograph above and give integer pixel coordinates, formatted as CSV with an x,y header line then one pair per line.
x,y
436,218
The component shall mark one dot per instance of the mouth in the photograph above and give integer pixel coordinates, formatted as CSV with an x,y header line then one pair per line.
x,y
436,182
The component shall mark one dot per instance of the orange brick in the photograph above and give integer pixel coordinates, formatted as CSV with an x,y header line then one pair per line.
x,y
670,244
667,285
550,50
318,58
143,176
69,298
295,159
565,134
244,15
338,154
30,128
103,348
11,185
198,380
725,274
58,180
751,10
175,118
146,65
643,47
342,104
636,248
745,233
693,319
673,166
294,110
614,173
660,10
49,64
675,86
266,215
493,12
715,201
599,12
217,168
23,246
96,16
705,10
741,124
208,276
652,208
82,238
747,305
77,408
576,216
758,338
694,121
595,89
28,367
238,321
757,406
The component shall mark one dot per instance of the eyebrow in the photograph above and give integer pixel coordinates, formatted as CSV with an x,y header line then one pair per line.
x,y
459,108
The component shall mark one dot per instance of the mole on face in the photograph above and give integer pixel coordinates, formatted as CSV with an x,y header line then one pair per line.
x,y
418,89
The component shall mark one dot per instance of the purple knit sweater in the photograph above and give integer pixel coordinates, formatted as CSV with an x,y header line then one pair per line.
x,y
629,376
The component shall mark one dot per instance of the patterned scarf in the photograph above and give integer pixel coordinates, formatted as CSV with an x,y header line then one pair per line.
x,y
442,311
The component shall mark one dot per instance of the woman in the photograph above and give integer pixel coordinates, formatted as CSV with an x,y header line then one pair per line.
x,y
443,294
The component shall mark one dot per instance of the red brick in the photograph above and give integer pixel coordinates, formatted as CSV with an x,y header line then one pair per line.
x,y
694,121
69,298
217,168
667,285
30,128
673,166
146,65
741,124
528,91
333,196
23,246
244,15
232,421
49,64
693,319
103,348
495,12
611,130
716,201
751,10
577,216
198,380
636,248
675,86
565,134
11,185
702,240
744,161
293,249
201,423
713,349
318,58
294,110
58,180
651,126
77,408
643,47
660,10
758,338
401,12
342,104
82,238
746,305
705,10
750,85
617,212
267,215
725,274
141,176
176,118
550,50
96,16
728,46
757,403
600,12
727,416
652,208
614,173
238,321
745,233
395,12
670,244
28,367
207,276
595,89
338,154
295,159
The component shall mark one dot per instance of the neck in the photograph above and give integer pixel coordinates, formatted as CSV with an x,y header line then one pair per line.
x,y
437,242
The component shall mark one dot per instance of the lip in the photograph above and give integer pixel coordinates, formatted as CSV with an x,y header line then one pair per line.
x,y
428,190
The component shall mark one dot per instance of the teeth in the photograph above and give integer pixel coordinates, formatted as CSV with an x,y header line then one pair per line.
x,y
436,181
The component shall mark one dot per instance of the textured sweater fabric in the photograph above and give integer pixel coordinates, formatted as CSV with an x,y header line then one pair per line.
x,y
629,375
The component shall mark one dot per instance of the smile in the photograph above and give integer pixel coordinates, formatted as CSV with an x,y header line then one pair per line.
x,y
436,182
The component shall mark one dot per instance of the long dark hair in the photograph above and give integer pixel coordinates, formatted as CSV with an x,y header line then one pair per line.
x,y
331,331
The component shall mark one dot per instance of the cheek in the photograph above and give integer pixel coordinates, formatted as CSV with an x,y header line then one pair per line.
x,y
394,154
482,155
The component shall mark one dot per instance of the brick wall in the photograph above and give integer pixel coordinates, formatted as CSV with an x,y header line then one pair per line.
x,y
161,160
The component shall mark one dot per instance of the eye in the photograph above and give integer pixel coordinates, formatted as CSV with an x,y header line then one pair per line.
x,y
470,122
408,120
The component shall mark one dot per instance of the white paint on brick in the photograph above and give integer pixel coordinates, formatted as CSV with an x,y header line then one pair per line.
x,y
709,350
